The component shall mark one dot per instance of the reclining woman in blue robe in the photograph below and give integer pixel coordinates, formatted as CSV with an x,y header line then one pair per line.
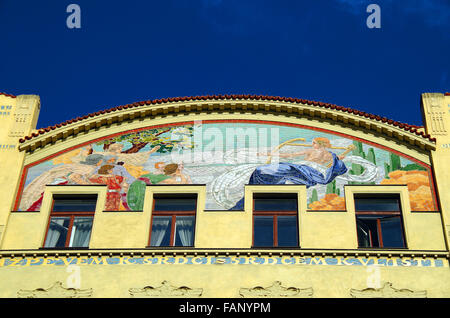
x,y
280,173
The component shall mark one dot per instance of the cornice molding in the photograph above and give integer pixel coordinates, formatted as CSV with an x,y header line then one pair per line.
x,y
410,134
222,253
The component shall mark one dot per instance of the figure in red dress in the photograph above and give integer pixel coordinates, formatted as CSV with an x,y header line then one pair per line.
x,y
113,183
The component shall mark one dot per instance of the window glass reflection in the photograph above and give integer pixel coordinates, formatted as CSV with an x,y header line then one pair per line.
x,y
287,230
273,204
263,231
57,232
74,203
391,229
377,204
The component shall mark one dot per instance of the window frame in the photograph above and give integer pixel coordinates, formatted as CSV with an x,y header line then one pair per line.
x,y
174,215
388,213
72,215
275,215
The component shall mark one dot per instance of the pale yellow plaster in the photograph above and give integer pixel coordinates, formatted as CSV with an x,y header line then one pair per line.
x,y
221,233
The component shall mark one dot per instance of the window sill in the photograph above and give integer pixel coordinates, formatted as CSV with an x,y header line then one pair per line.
x,y
169,247
277,247
123,211
63,248
383,248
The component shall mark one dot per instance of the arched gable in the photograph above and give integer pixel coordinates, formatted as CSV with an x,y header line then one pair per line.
x,y
230,136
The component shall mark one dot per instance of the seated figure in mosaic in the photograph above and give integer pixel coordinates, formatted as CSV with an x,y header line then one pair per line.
x,y
286,172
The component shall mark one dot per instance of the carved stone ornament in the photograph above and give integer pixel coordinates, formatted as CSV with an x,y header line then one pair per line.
x,y
435,113
165,290
276,290
387,291
55,291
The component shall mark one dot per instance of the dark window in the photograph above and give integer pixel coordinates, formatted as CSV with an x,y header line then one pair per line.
x,y
70,223
71,203
380,204
178,204
263,228
379,221
275,220
283,203
173,220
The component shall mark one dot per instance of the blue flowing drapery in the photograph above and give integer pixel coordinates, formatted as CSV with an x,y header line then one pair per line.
x,y
282,172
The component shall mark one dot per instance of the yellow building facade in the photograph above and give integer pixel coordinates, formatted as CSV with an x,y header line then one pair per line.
x,y
227,196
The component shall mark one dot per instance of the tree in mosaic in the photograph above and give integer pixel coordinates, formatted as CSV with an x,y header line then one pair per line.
x,y
162,137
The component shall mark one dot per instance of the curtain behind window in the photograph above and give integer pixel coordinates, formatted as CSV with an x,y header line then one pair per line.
x,y
81,232
160,227
184,228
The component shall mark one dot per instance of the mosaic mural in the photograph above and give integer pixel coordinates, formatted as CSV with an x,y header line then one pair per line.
x,y
225,156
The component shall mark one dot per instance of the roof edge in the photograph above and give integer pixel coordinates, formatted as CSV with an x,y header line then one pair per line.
x,y
404,126
8,95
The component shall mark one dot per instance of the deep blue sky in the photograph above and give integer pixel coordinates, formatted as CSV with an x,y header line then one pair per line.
x,y
129,51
